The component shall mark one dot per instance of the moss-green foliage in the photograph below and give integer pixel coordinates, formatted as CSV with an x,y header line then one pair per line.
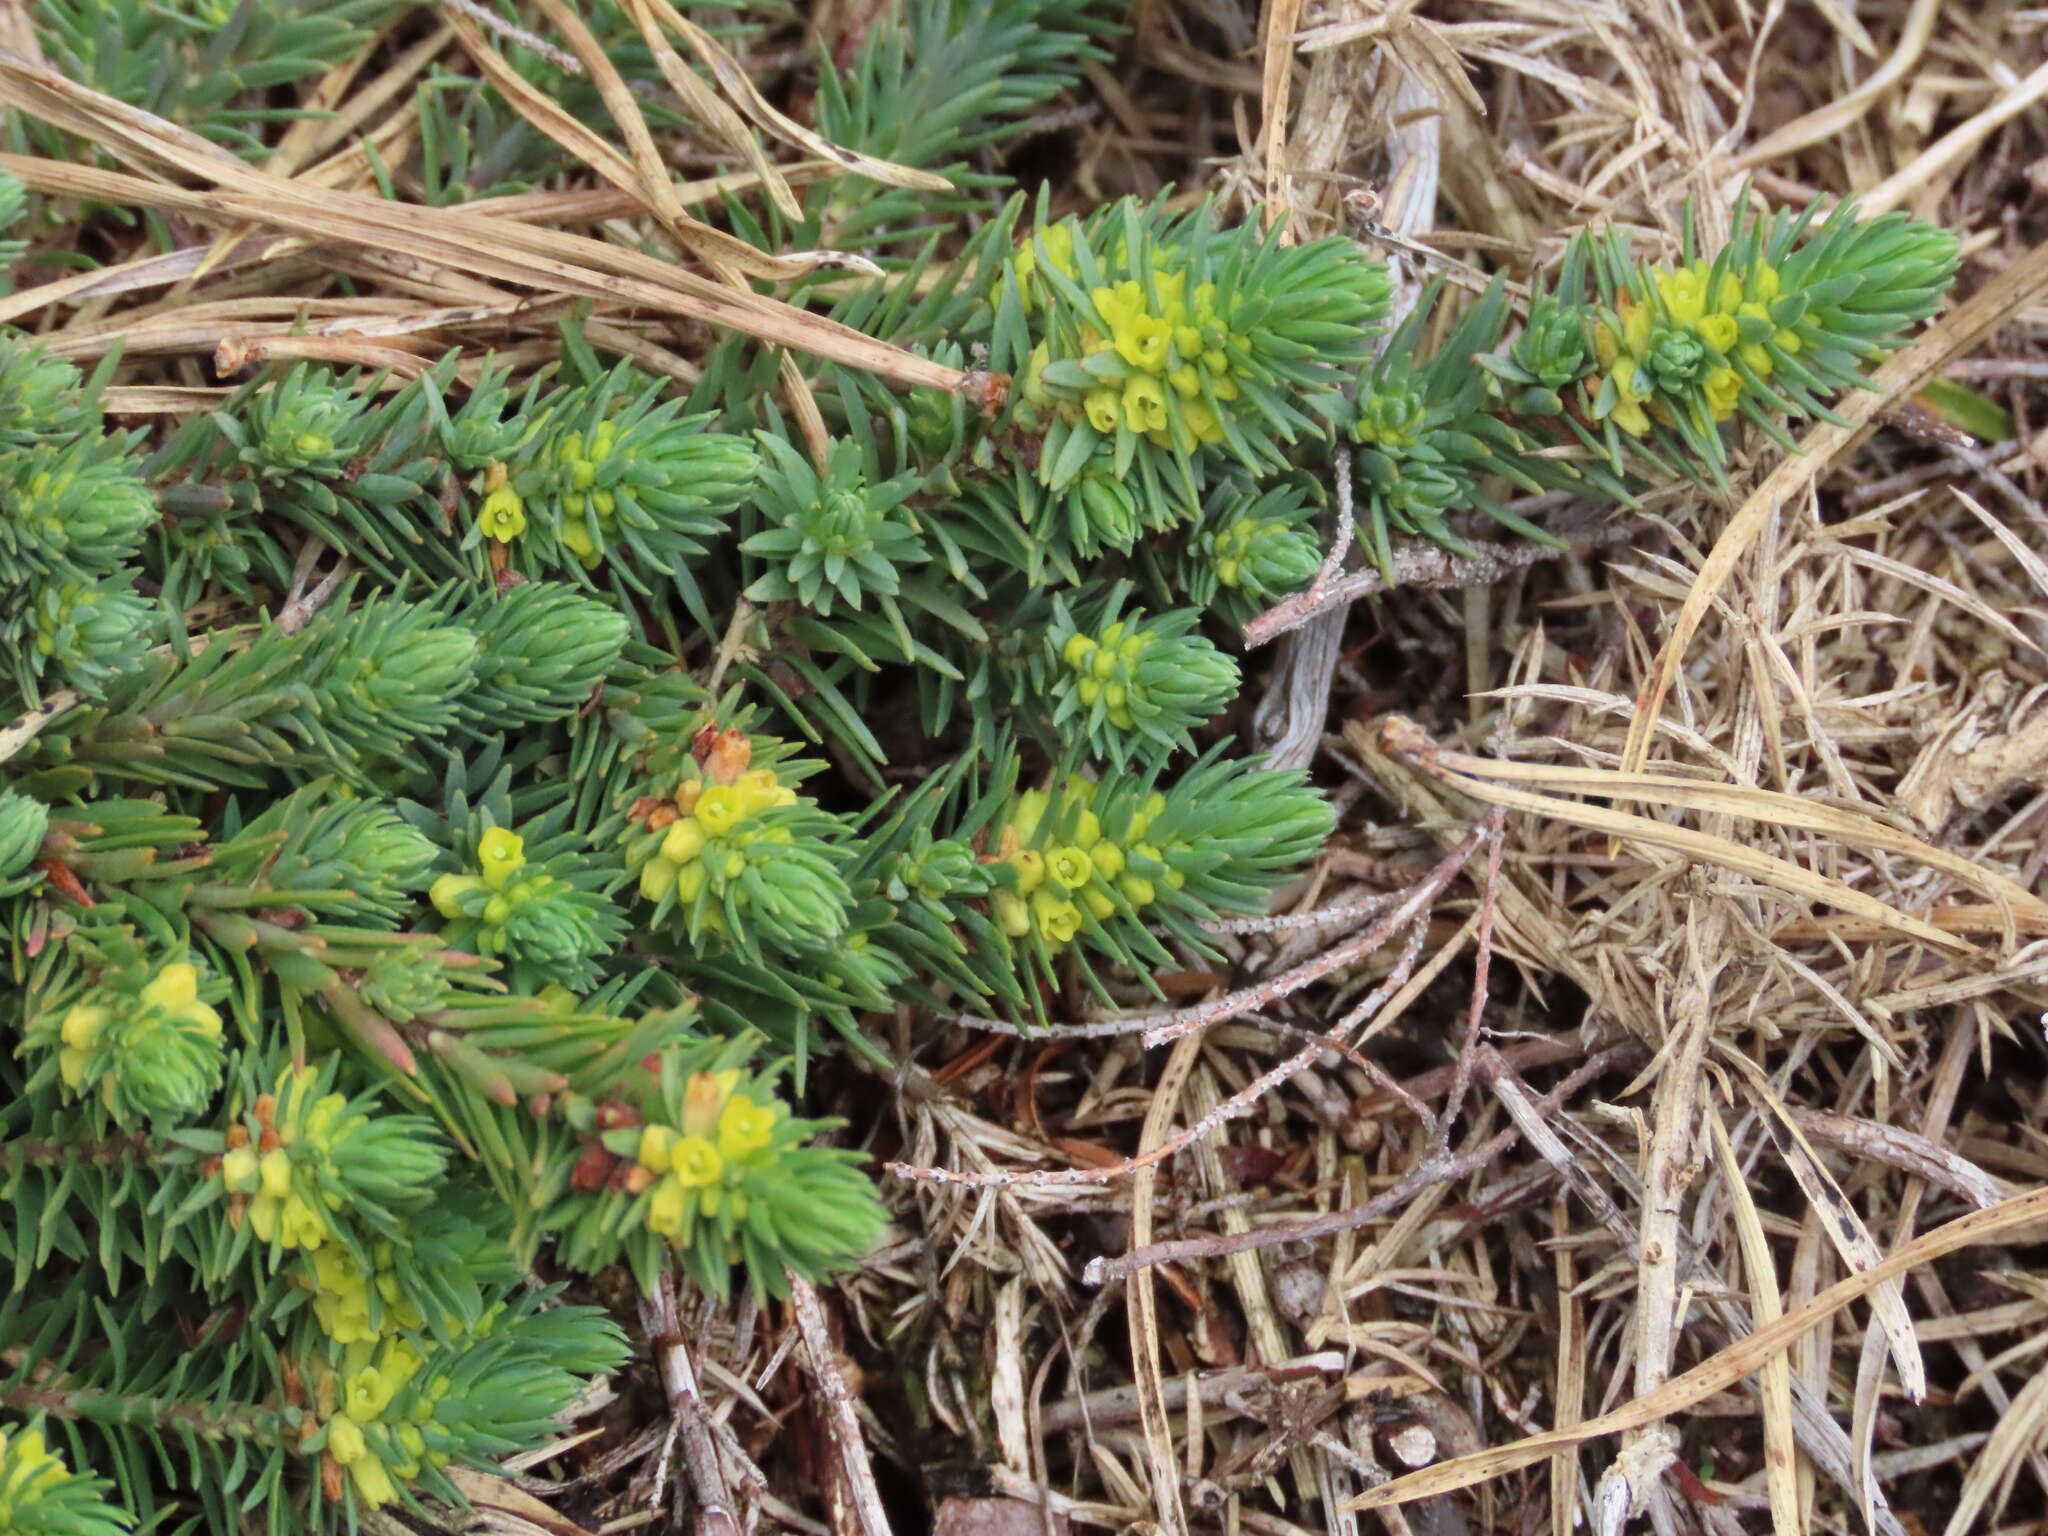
x,y
371,933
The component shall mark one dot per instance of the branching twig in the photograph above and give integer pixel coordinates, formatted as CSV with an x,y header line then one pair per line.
x,y
661,1322
839,1417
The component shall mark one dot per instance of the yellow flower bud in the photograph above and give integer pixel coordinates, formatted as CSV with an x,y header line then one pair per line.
x,y
263,1213
345,1440
238,1171
300,1225
684,841
689,882
276,1172
667,1207
447,892
1099,906
1012,914
704,1097
82,1025
657,878
656,1143
175,986
1724,391
1137,890
1030,865
373,1483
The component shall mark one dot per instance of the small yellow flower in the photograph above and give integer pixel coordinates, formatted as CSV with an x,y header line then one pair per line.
x,y
744,1127
1058,919
502,853
1719,332
720,808
1070,867
1684,293
1144,405
503,516
697,1163
1143,340
1138,891
369,1391
1103,407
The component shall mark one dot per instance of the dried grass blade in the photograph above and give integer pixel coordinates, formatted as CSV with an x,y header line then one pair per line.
x,y
1838,1218
713,111
1767,1305
1856,829
1718,1371
2019,1429
733,80
643,180
1768,868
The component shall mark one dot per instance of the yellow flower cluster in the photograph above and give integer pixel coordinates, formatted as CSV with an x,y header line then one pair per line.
x,y
368,1385
1176,344
502,854
341,1289
1104,665
1058,885
578,462
1710,311
263,1173
1234,546
171,1000
711,825
28,1469
688,1171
